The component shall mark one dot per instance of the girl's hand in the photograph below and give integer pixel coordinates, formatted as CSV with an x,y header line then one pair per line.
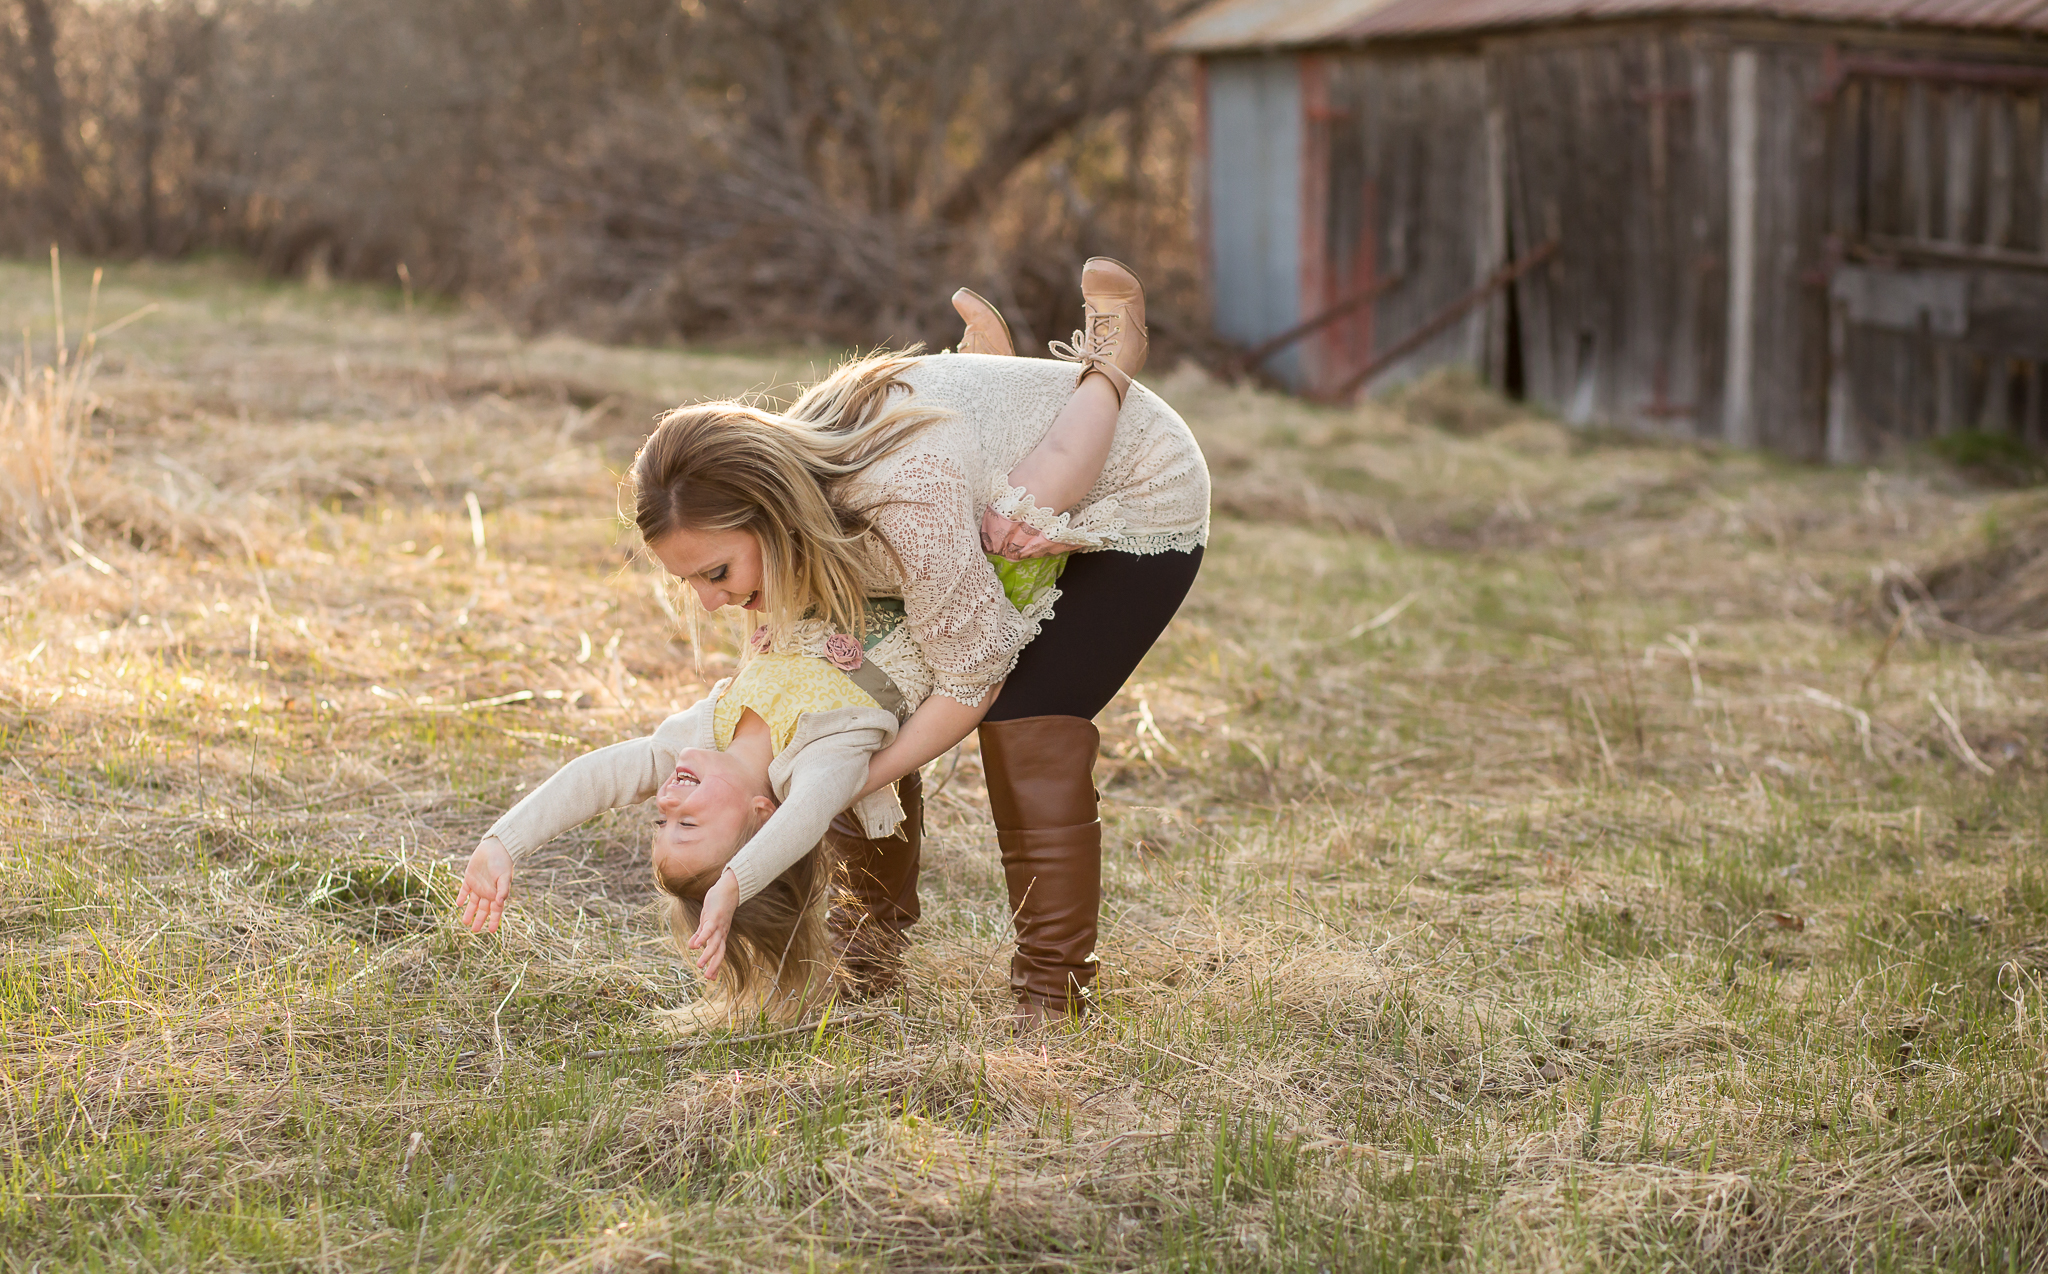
x,y
485,886
1014,540
714,922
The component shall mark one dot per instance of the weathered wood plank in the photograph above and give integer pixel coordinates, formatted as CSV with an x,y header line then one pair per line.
x,y
1639,374
1491,243
1916,158
1998,169
1415,202
1708,222
1738,425
1528,100
1801,74
1604,124
1253,200
1948,414
2006,309
1884,144
1351,233
1788,372
2032,426
1845,442
2041,170
1959,161
1988,393
1684,224
2029,208
1881,402
1848,175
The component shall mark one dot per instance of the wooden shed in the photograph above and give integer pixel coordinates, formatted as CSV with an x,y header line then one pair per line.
x,y
1811,225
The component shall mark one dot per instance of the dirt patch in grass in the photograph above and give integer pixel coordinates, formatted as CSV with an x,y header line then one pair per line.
x,y
1991,581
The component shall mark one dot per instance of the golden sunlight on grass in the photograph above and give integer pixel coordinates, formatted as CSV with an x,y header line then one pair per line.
x,y
1527,851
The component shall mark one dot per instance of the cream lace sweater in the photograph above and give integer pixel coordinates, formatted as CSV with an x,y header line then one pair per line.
x,y
926,501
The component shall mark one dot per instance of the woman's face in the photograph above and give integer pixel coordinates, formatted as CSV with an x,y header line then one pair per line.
x,y
723,566
704,812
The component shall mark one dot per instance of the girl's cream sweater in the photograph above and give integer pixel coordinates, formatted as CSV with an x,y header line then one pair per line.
x,y
814,778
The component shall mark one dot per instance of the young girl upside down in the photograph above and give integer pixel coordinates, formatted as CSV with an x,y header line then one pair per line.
x,y
746,782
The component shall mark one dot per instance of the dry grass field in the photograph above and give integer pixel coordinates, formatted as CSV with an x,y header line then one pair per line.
x,y
1527,851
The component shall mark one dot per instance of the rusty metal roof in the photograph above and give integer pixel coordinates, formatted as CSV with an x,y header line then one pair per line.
x,y
1281,24
1235,24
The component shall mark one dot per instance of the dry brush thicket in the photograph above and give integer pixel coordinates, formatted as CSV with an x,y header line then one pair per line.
x,y
1525,852
779,168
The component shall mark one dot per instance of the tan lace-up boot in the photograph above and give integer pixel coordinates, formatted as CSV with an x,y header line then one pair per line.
x,y
1112,339
986,333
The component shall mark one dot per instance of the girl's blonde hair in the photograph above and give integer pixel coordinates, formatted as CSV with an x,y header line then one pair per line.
x,y
731,466
778,956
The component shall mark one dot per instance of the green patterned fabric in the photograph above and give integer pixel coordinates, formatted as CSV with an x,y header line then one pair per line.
x,y
1024,581
885,616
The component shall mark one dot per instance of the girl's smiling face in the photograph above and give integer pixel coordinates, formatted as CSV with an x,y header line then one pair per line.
x,y
705,811
724,567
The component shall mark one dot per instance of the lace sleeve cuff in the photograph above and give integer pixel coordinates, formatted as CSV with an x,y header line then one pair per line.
x,y
1017,504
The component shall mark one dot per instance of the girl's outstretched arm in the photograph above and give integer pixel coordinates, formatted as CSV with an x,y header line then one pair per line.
x,y
1058,472
622,774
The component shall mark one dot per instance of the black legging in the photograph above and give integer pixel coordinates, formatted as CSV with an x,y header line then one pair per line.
x,y
1112,607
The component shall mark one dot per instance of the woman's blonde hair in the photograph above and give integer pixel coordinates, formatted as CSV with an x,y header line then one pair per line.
x,y
731,466
778,957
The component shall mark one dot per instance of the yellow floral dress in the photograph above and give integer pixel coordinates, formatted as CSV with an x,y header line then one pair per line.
x,y
781,688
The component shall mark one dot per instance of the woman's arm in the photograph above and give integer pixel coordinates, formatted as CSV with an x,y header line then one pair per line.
x,y
1059,471
1069,459
938,724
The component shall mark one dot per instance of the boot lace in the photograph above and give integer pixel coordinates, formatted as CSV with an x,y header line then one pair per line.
x,y
1096,343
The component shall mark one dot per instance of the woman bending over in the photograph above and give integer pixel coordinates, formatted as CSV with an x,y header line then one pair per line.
x,y
747,781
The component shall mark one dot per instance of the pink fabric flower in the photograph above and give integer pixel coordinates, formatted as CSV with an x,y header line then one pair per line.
x,y
843,652
760,641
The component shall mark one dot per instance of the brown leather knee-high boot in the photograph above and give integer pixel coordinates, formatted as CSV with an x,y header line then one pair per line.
x,y
1041,791
875,894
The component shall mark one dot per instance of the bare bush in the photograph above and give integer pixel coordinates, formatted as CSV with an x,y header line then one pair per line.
x,y
837,169
109,128
826,170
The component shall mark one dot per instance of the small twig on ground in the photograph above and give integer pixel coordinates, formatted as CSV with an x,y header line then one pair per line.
x,y
1964,752
1600,735
1385,617
1884,652
1204,1066
1858,715
497,1033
